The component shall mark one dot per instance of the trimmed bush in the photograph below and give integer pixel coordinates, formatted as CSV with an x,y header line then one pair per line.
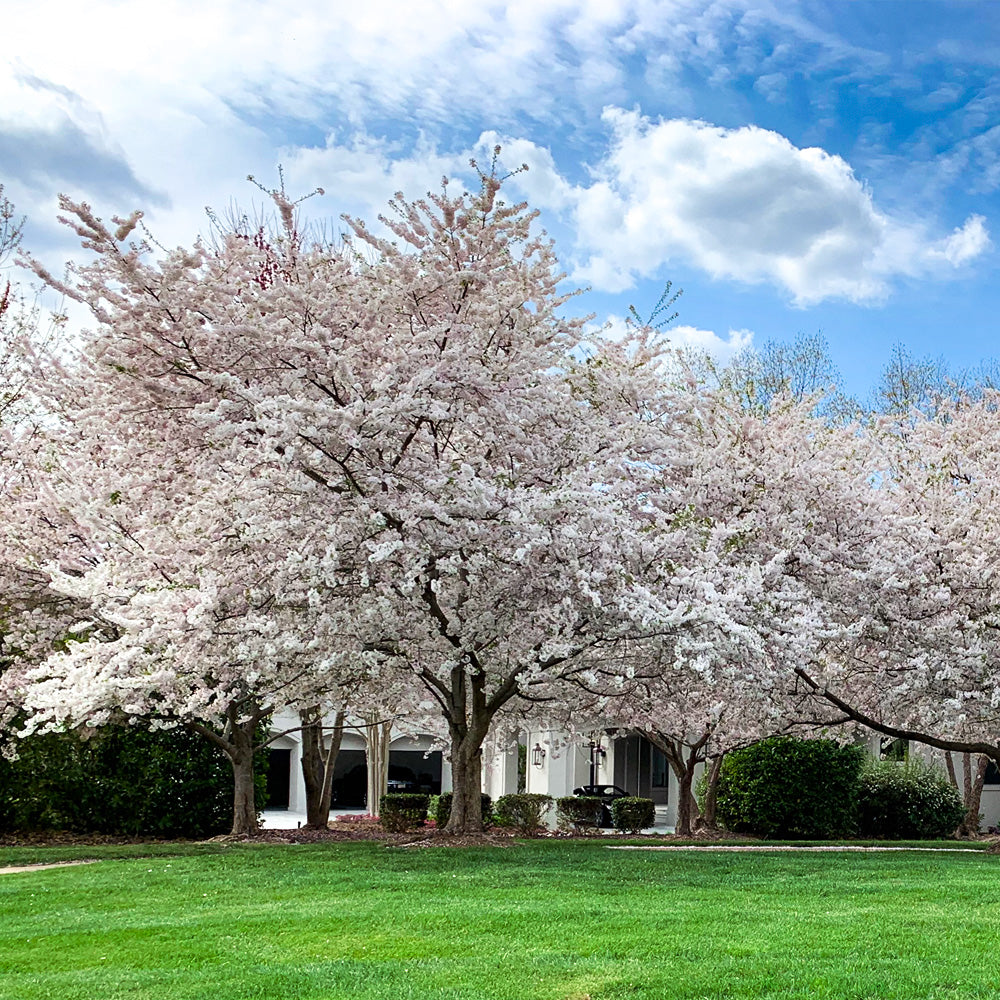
x,y
630,815
784,787
441,809
402,811
121,780
524,811
579,813
907,801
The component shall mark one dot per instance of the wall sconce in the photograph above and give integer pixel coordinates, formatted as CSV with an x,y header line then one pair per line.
x,y
537,755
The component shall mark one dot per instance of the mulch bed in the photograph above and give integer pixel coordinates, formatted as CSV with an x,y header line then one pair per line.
x,y
60,838
372,831
340,831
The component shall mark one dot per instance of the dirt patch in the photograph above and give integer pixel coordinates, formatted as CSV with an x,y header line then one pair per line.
x,y
341,831
59,838
335,832
458,840
15,869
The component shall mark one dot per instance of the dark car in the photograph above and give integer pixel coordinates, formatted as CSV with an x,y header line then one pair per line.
x,y
607,794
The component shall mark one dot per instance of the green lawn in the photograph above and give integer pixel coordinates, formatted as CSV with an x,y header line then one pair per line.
x,y
547,919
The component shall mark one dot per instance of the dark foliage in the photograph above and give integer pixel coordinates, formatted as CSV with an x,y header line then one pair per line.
x,y
401,811
630,815
784,787
907,801
524,811
579,812
120,780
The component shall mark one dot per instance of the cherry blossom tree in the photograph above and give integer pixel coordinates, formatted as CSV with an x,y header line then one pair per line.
x,y
33,618
292,457
197,610
783,503
911,587
922,664
489,466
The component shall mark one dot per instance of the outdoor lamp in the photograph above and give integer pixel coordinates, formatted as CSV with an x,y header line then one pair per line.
x,y
597,755
537,755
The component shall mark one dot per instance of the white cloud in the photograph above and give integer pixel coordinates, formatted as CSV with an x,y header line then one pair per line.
x,y
685,338
746,204
965,243
721,349
773,86
184,99
229,86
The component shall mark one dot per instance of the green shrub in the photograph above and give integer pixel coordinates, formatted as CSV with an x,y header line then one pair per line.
x,y
784,787
907,801
523,811
630,815
401,811
121,780
441,809
579,812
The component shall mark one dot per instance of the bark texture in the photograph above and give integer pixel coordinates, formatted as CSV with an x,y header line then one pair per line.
x,y
971,789
318,763
237,742
708,815
683,759
377,750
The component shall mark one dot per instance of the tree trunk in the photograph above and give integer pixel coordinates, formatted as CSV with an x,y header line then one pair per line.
x,y
683,767
236,741
971,790
318,765
712,793
687,805
467,785
377,752
244,795
974,796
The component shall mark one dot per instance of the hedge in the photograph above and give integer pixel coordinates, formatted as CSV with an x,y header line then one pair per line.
x,y
579,812
121,780
631,814
785,787
907,801
401,811
524,811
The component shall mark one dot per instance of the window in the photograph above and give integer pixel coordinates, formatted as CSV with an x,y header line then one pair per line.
x,y
659,769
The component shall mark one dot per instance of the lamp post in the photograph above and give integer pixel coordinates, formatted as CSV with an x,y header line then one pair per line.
x,y
597,755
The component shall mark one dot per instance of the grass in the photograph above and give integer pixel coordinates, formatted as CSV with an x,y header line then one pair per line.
x,y
544,920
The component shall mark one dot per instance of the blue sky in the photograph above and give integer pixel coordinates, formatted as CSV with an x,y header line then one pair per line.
x,y
794,167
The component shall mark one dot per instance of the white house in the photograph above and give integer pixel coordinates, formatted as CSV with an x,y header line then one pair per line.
x,y
553,766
